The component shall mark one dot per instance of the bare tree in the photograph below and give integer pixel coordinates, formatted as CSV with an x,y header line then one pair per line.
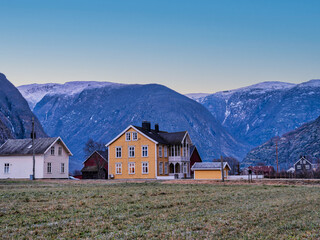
x,y
92,146
233,163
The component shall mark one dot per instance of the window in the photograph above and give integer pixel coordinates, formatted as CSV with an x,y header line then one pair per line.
x,y
145,167
132,168
131,151
118,152
160,167
185,168
307,166
298,166
304,162
62,168
60,151
128,136
160,151
165,151
166,164
49,170
144,151
134,136
52,150
118,168
6,168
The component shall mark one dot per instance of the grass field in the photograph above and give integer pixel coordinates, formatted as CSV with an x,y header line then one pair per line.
x,y
153,210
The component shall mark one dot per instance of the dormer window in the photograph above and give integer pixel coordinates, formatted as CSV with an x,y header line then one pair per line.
x,y
52,151
128,136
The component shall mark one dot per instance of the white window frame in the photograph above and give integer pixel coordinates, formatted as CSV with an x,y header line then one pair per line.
x,y
49,167
118,167
130,151
120,151
62,170
165,151
60,151
52,151
128,136
130,165
166,168
160,151
6,168
298,166
142,151
307,166
145,165
160,168
134,136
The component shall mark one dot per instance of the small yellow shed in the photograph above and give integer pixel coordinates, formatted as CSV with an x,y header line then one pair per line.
x,y
210,170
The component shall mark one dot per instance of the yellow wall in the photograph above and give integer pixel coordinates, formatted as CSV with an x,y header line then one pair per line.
x,y
163,159
209,174
138,159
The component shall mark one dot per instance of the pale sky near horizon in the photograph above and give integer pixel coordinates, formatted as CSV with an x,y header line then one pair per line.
x,y
189,46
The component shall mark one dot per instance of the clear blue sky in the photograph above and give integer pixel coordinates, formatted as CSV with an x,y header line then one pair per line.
x,y
190,46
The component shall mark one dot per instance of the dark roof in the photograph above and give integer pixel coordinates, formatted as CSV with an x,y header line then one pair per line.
x,y
208,165
24,146
174,137
163,137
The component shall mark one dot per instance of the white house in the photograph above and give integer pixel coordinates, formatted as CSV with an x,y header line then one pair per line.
x,y
51,158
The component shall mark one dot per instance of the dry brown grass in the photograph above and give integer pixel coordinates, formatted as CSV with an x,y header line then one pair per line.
x,y
152,210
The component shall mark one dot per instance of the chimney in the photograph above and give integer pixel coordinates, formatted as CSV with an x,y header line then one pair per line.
x,y
146,125
156,127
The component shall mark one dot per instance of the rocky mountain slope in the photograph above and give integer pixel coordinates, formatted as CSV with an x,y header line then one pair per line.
x,y
304,141
102,112
15,114
256,113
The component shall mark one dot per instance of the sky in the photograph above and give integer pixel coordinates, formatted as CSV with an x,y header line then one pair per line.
x,y
188,45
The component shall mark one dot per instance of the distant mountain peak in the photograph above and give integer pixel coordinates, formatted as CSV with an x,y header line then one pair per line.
x,y
33,93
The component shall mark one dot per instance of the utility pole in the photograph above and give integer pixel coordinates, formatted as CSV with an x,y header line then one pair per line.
x,y
33,151
222,170
277,156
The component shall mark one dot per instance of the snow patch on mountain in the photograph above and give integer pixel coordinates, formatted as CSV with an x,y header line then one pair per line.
x,y
33,93
197,96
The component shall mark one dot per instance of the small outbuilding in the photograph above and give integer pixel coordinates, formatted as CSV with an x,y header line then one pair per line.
x,y
210,170
96,166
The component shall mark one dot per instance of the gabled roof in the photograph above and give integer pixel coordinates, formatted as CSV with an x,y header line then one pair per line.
x,y
209,166
157,137
303,158
174,137
152,134
103,154
24,146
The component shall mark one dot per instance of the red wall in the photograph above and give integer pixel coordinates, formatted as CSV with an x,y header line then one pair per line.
x,y
92,161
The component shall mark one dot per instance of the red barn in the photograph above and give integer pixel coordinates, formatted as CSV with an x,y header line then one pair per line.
x,y
96,166
194,157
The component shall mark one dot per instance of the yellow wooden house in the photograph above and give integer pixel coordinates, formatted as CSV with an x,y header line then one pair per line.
x,y
145,153
210,170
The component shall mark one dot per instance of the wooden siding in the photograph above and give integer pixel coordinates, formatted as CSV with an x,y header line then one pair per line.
x,y
138,159
209,174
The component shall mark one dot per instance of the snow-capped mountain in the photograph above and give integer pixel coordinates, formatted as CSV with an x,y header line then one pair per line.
x,y
104,111
15,114
256,113
197,96
33,93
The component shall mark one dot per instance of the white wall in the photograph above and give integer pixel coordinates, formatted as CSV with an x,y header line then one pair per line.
x,y
56,161
21,166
